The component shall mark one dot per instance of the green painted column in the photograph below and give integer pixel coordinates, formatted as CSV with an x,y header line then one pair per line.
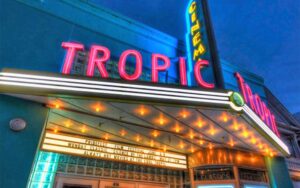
x,y
278,172
18,149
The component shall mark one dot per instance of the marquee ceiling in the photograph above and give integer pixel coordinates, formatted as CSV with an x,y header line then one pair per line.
x,y
165,127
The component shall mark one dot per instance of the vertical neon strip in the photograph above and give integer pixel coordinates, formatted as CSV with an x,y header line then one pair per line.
x,y
182,71
199,79
188,46
44,171
156,67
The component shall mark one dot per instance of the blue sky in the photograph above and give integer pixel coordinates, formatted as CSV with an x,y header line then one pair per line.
x,y
261,35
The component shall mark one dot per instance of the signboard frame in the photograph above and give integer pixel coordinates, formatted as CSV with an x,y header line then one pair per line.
x,y
113,142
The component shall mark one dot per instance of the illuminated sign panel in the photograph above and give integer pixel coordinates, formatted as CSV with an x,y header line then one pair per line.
x,y
199,46
256,104
87,147
100,55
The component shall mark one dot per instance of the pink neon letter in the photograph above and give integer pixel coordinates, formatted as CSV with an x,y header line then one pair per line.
x,y
182,71
274,127
259,106
156,67
267,113
241,85
250,96
198,76
71,48
122,65
99,61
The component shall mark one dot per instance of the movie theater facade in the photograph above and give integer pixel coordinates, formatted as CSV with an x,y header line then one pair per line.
x,y
92,99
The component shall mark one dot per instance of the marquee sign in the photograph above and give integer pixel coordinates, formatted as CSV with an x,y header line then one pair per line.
x,y
96,148
200,44
256,104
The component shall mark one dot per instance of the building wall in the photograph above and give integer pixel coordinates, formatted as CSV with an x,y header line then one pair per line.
x,y
34,31
18,148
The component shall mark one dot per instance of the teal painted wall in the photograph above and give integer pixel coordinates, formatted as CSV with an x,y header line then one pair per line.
x,y
33,31
18,149
278,173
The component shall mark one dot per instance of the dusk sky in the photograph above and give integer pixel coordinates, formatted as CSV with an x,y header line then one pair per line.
x,y
261,35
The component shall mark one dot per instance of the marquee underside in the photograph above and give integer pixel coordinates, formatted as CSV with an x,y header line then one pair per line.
x,y
176,119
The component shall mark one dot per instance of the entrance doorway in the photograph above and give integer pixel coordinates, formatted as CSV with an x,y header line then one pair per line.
x,y
86,182
75,182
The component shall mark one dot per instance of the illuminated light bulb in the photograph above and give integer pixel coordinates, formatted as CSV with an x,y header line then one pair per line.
x,y
191,135
165,148
239,158
212,131
253,159
271,154
57,106
152,143
260,146
83,129
235,126
192,149
201,142
253,140
155,133
267,150
245,134
68,124
55,130
184,115
224,117
210,146
123,132
138,138
177,129
98,107
181,145
231,144
142,112
200,124
161,121
106,137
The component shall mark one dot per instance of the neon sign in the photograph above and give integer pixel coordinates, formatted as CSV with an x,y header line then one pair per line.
x,y
196,49
99,55
256,104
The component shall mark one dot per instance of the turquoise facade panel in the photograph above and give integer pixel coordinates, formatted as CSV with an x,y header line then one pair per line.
x,y
18,148
34,31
